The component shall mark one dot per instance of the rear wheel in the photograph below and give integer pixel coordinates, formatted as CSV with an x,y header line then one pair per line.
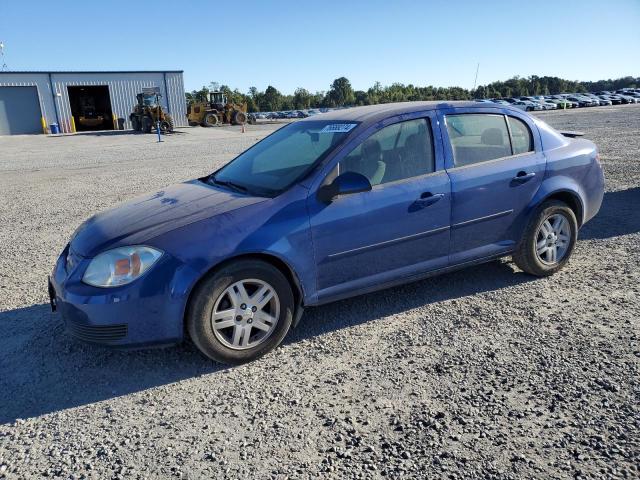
x,y
239,118
210,120
135,124
548,241
240,312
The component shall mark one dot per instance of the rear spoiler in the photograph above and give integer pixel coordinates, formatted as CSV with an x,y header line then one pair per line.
x,y
572,134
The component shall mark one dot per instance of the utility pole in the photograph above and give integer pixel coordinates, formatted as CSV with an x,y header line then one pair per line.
x,y
4,65
475,81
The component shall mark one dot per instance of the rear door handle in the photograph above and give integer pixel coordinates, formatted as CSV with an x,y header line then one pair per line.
x,y
428,198
522,177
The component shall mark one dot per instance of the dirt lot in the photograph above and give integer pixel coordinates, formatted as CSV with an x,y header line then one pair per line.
x,y
484,373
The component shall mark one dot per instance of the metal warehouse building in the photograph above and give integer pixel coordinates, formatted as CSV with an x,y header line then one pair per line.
x,y
95,100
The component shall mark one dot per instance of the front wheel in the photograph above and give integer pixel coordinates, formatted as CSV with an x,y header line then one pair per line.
x,y
210,120
166,126
548,240
240,312
147,124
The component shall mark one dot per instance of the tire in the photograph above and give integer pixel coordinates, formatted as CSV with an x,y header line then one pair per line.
x,y
210,120
213,294
167,125
536,258
239,118
147,124
135,124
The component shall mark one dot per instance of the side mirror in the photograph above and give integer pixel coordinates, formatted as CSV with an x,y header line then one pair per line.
x,y
345,184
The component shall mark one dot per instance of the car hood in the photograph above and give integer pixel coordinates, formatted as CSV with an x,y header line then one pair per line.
x,y
143,218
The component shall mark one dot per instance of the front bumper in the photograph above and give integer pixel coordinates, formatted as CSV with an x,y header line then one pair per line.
x,y
147,311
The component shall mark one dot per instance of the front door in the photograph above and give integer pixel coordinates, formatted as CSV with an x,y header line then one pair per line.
x,y
400,227
496,165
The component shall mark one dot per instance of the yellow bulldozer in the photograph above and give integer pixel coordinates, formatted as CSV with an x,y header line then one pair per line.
x,y
148,112
217,111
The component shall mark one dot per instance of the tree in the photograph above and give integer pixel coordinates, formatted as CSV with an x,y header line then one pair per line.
x,y
341,93
271,100
361,97
195,96
301,99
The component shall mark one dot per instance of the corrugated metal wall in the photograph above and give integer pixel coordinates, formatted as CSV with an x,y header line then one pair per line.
x,y
123,87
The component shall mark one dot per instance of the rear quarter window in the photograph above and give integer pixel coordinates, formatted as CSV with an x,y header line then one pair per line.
x,y
521,138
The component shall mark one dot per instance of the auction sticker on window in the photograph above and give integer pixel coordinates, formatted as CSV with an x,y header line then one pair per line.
x,y
338,128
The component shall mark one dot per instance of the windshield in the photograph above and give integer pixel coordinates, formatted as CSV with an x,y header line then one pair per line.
x,y
149,100
274,164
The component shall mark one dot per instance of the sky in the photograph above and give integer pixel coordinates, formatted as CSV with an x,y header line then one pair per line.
x,y
291,44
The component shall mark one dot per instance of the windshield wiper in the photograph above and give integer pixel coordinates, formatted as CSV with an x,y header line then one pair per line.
x,y
226,183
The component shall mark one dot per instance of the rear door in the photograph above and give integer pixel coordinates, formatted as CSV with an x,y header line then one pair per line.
x,y
495,162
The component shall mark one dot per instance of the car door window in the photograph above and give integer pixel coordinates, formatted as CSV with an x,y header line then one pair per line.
x,y
521,138
396,152
477,138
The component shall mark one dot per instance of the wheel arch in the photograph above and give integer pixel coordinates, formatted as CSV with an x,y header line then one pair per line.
x,y
573,200
275,261
571,197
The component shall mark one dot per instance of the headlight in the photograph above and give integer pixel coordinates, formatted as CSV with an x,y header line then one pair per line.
x,y
120,266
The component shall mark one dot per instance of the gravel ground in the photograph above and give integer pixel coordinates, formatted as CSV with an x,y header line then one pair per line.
x,y
483,373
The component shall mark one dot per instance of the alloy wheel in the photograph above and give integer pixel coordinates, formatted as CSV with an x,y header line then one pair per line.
x,y
245,314
553,239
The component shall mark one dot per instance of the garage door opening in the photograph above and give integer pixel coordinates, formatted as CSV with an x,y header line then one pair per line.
x,y
91,108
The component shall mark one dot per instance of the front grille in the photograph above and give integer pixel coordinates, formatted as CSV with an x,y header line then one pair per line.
x,y
97,333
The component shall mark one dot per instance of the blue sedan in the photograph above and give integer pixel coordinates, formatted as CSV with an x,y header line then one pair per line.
x,y
332,206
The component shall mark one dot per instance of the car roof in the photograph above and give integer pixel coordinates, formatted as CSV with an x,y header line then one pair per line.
x,y
374,113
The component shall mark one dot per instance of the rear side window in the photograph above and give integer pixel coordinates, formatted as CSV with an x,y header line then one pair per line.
x,y
521,138
478,138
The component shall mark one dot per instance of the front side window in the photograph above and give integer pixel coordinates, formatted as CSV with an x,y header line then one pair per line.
x,y
521,138
396,152
275,163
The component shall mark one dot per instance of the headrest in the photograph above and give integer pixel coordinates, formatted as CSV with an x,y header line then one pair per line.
x,y
492,136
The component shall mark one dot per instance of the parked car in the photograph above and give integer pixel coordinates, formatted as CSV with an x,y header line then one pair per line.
x,y
525,105
500,101
627,98
326,208
532,106
581,101
595,98
543,103
564,98
614,100
629,93
561,103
